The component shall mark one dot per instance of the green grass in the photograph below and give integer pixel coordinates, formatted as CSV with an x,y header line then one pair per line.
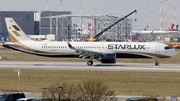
x,y
123,83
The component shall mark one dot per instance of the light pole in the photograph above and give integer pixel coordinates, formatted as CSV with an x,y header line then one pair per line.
x,y
47,5
19,73
81,18
101,11
95,8
43,91
59,92
60,4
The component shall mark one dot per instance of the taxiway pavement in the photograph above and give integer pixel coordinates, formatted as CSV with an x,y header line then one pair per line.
x,y
97,66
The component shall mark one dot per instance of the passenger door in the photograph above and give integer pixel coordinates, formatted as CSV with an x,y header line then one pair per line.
x,y
157,49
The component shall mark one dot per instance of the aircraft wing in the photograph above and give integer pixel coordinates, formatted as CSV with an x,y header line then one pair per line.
x,y
89,51
84,53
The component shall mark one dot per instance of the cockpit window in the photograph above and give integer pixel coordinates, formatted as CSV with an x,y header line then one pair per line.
x,y
167,47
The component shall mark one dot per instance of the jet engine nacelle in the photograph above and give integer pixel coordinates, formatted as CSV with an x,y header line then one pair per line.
x,y
108,58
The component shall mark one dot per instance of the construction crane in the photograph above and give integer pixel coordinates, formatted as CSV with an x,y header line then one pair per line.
x,y
96,38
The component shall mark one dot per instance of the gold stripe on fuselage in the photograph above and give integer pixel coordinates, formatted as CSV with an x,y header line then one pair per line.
x,y
16,42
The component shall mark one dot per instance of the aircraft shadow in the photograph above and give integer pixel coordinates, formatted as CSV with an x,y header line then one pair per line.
x,y
103,65
98,65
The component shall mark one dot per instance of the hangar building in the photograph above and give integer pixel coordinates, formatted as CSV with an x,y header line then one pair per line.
x,y
28,20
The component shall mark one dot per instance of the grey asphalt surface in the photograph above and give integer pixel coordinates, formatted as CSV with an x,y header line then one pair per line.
x,y
97,66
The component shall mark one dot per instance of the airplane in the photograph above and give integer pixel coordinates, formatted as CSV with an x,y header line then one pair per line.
x,y
106,52
169,30
176,29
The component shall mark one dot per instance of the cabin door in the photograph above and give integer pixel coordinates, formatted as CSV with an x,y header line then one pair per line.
x,y
157,49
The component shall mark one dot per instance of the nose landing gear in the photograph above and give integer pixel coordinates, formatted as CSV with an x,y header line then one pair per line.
x,y
157,63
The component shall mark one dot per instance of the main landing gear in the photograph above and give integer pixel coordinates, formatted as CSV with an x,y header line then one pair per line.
x,y
89,63
157,63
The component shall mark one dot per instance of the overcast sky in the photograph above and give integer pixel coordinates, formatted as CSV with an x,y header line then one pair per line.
x,y
117,7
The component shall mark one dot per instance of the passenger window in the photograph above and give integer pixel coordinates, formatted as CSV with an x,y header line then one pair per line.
x,y
167,47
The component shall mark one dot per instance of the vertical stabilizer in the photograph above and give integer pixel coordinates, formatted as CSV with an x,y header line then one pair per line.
x,y
16,34
170,28
176,29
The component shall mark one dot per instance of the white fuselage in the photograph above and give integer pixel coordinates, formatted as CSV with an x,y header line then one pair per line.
x,y
52,48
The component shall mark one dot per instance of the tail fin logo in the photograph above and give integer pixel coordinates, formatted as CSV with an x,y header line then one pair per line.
x,y
16,28
170,27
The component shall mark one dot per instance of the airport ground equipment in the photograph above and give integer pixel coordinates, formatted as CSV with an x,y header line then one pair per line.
x,y
174,42
11,96
29,99
96,38
177,46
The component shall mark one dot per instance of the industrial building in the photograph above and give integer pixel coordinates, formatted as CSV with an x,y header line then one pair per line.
x,y
25,20
83,26
28,20
64,24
